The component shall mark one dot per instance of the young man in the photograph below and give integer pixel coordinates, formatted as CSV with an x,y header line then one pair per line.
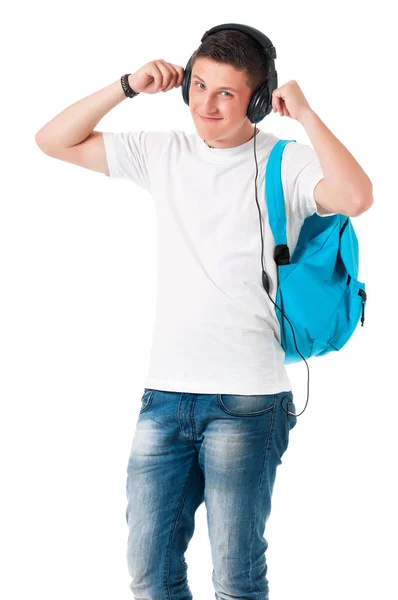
x,y
211,425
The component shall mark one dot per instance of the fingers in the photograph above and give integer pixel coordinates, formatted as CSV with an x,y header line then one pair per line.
x,y
181,72
157,72
172,75
166,76
278,104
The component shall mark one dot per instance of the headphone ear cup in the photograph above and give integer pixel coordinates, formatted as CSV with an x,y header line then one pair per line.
x,y
186,82
259,105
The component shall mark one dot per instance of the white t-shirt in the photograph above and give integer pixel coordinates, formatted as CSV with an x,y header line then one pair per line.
x,y
216,331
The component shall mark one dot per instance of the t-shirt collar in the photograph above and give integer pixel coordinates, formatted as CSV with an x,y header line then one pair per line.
x,y
225,154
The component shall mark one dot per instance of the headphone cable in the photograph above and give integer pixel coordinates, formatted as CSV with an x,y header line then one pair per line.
x,y
266,285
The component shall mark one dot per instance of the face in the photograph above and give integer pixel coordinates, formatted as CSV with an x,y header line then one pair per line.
x,y
207,98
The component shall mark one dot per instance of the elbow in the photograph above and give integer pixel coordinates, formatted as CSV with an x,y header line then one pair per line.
x,y
38,141
42,144
362,205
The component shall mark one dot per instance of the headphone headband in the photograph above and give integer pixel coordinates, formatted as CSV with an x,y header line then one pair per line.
x,y
262,39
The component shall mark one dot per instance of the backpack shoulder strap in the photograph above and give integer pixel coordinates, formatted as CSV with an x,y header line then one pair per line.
x,y
274,193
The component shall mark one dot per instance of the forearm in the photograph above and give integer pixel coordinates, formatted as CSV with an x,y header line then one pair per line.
x,y
76,123
339,167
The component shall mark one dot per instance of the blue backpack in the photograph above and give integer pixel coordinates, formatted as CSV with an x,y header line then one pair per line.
x,y
318,289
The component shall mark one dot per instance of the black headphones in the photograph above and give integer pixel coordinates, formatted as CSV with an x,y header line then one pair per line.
x,y
260,105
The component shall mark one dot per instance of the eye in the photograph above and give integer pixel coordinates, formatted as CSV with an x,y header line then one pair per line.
x,y
223,91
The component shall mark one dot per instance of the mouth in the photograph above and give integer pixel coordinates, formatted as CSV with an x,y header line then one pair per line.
x,y
210,118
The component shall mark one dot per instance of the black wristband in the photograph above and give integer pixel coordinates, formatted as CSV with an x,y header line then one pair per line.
x,y
128,91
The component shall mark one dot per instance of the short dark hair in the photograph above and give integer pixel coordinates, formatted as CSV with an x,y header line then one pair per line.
x,y
238,49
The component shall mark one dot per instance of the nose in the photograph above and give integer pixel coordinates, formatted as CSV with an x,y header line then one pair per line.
x,y
209,107
209,110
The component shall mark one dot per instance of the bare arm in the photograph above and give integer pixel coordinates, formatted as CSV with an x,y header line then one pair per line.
x,y
70,136
76,123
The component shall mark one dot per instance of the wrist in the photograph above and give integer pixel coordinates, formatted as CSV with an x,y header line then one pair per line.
x,y
127,89
307,115
130,80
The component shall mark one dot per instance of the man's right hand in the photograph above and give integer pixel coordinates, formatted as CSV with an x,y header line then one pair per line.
x,y
156,76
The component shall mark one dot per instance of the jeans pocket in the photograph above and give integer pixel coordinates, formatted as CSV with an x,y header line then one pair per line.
x,y
292,420
286,406
146,399
246,406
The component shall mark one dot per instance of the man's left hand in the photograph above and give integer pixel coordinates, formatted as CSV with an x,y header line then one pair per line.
x,y
290,101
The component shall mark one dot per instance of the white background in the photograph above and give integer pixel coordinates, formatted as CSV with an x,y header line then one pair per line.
x,y
78,294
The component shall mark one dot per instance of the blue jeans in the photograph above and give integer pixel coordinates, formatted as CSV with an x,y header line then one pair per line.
x,y
222,449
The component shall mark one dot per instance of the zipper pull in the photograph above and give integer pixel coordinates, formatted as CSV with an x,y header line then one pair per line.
x,y
362,293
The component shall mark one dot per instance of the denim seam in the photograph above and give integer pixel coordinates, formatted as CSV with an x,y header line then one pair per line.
x,y
166,574
258,494
190,442
144,408
258,413
192,419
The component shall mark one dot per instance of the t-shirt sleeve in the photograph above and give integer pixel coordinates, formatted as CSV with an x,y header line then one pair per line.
x,y
133,155
301,172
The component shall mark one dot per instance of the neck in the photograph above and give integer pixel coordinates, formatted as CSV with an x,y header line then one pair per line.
x,y
255,132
